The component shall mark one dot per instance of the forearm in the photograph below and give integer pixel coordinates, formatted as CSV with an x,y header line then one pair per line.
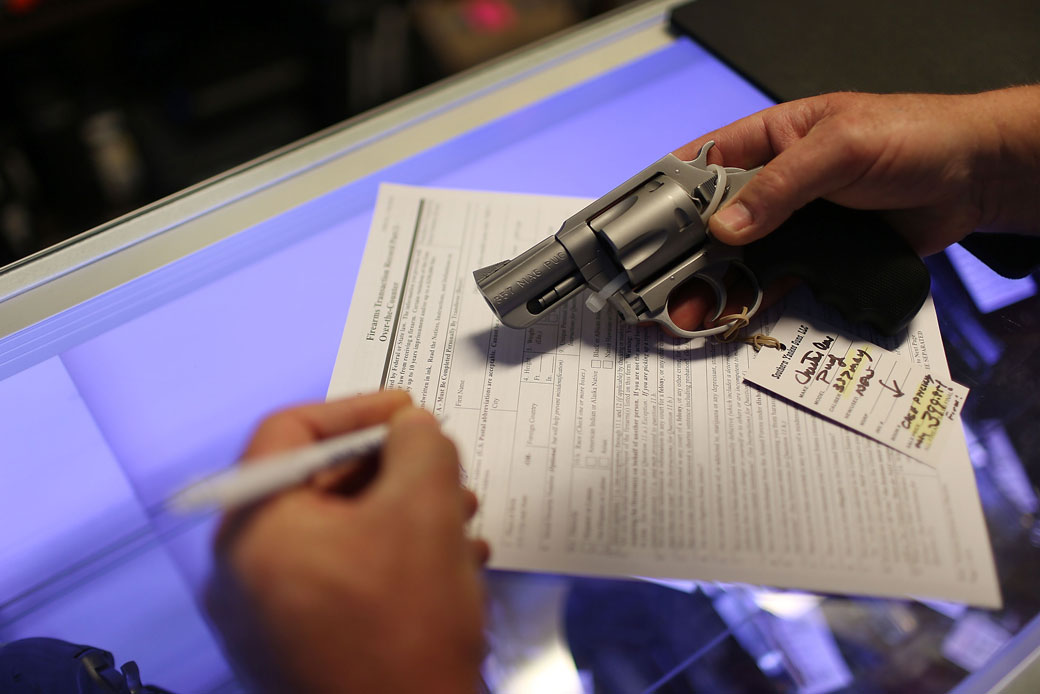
x,y
1008,159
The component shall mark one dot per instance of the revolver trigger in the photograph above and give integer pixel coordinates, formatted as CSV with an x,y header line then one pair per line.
x,y
713,277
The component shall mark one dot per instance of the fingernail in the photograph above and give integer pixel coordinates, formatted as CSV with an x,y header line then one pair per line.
x,y
733,217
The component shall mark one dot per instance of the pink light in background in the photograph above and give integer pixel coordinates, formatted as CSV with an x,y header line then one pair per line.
x,y
491,16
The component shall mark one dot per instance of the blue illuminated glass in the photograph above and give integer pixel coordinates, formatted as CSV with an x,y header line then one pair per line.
x,y
111,405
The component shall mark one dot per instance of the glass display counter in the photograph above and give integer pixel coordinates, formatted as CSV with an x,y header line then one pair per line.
x,y
141,354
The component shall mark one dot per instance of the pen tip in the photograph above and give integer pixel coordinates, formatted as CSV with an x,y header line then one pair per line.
x,y
187,501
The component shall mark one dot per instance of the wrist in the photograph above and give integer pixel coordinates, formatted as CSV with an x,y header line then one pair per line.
x,y
1006,160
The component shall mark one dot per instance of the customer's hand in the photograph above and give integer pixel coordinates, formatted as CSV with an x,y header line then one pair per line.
x,y
349,584
938,166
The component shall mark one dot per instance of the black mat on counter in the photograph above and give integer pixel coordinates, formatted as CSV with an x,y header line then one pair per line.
x,y
796,48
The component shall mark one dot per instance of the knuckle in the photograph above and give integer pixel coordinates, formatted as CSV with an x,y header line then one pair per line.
x,y
857,137
837,101
275,423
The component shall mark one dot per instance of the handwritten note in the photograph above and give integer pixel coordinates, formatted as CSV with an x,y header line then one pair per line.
x,y
861,386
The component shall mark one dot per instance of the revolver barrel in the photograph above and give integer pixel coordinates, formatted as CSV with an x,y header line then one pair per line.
x,y
520,290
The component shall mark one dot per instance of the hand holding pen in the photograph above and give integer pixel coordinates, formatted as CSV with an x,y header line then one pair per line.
x,y
337,583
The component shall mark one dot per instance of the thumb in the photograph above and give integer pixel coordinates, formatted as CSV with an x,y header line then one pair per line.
x,y
813,167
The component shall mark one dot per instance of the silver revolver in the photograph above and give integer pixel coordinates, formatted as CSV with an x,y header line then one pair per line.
x,y
635,245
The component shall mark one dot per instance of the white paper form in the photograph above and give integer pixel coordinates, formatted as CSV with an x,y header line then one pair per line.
x,y
601,448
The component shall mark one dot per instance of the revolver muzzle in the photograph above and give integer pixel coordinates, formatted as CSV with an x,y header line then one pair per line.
x,y
520,290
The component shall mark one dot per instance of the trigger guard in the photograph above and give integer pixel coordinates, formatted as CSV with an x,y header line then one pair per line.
x,y
712,276
664,318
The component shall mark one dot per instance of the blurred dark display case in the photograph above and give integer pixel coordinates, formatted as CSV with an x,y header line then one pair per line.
x,y
110,104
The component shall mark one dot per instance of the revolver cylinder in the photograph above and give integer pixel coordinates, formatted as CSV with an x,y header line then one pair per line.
x,y
648,229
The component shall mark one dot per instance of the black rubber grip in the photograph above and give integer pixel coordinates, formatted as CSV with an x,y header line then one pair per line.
x,y
851,260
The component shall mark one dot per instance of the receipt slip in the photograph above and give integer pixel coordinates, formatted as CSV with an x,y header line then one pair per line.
x,y
862,386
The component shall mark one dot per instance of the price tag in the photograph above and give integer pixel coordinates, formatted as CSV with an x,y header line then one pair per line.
x,y
862,386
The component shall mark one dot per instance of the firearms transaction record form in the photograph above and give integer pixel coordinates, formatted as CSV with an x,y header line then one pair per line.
x,y
597,447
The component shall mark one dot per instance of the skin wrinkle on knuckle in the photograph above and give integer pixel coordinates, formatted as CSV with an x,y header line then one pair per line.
x,y
752,130
786,134
773,135
837,102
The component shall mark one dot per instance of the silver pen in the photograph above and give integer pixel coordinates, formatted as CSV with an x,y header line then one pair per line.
x,y
244,484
